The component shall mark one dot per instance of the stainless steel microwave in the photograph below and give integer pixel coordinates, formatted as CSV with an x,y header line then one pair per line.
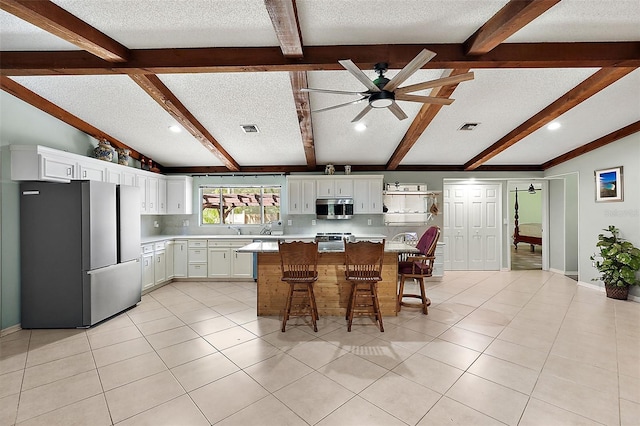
x,y
334,208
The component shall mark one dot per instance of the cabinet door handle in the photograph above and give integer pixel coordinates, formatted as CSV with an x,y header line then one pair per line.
x,y
84,173
224,255
68,171
178,205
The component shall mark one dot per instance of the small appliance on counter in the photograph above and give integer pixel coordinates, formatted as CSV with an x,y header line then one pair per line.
x,y
333,241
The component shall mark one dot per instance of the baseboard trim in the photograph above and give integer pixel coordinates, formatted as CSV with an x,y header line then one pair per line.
x,y
10,330
602,290
557,271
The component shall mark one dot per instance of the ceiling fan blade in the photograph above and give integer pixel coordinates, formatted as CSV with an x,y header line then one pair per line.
x,y
446,81
362,113
335,92
425,99
357,73
397,111
416,63
340,105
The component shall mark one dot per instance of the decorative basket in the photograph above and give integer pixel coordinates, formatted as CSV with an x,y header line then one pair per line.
x,y
615,292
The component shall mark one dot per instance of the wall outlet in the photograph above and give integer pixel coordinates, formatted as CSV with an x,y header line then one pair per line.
x,y
185,222
313,222
289,222
156,224
369,222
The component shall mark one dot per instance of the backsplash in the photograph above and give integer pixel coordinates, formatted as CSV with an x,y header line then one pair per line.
x,y
300,224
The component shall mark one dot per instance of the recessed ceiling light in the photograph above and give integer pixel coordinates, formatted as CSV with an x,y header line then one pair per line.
x,y
361,127
175,128
553,125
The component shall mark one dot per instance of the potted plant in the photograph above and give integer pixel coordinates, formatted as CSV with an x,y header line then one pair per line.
x,y
618,263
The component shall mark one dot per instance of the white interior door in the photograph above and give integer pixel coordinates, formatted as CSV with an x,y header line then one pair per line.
x,y
472,227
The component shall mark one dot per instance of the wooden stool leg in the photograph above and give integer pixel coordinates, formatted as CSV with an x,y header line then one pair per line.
x,y
287,309
352,304
314,309
400,292
376,305
424,296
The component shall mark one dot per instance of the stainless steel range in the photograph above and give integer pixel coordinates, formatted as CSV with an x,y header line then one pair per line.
x,y
331,241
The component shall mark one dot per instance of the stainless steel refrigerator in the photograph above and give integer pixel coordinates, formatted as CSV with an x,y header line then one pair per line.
x,y
79,252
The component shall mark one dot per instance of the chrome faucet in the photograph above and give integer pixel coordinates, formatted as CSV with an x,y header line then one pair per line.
x,y
237,229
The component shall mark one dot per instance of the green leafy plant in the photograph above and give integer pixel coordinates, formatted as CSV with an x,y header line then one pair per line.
x,y
620,260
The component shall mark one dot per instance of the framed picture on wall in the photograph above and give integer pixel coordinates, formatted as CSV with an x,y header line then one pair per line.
x,y
609,184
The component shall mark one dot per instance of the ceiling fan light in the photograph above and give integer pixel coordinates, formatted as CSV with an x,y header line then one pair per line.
x,y
381,99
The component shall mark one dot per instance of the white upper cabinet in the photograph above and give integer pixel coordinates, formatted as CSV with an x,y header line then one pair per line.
x,y
92,171
32,162
162,196
179,194
367,196
334,187
301,193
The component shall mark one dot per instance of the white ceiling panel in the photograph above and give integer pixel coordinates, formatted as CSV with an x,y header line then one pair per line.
x,y
118,106
500,100
398,21
224,102
606,111
584,20
17,34
178,23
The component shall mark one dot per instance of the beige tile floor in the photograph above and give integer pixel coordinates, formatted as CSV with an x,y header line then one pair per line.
x,y
515,348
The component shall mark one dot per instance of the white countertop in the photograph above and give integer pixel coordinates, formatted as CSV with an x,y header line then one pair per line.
x,y
272,247
254,237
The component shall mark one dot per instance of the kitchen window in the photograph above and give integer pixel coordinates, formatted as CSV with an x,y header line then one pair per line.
x,y
239,205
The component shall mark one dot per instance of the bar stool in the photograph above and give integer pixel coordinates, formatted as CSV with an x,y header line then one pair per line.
x,y
363,269
418,267
299,265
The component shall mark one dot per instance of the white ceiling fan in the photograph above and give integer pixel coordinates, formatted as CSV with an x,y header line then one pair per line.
x,y
383,93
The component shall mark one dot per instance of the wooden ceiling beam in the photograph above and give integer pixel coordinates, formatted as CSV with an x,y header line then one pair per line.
x,y
511,18
303,109
573,97
366,168
284,18
424,117
259,59
63,115
166,99
598,143
57,21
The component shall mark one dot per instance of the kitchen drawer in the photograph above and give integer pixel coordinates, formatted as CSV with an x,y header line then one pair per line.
x,y
147,248
160,245
198,243
198,255
197,270
229,243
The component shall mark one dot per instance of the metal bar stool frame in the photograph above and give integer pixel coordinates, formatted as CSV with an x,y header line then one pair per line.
x,y
299,266
363,269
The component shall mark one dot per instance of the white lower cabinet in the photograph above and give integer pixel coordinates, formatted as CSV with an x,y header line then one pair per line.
x,y
148,273
197,259
225,262
160,263
180,259
219,262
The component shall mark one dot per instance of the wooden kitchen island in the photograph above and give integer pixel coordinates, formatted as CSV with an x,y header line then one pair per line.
x,y
331,289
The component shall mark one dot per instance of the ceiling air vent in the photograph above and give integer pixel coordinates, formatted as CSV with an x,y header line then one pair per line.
x,y
468,126
249,128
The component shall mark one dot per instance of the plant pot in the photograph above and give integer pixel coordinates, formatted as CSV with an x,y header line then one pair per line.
x,y
615,292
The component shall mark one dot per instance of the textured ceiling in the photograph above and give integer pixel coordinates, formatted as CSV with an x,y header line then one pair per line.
x,y
499,99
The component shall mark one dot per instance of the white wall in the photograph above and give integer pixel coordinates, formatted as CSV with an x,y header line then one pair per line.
x,y
557,225
593,217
